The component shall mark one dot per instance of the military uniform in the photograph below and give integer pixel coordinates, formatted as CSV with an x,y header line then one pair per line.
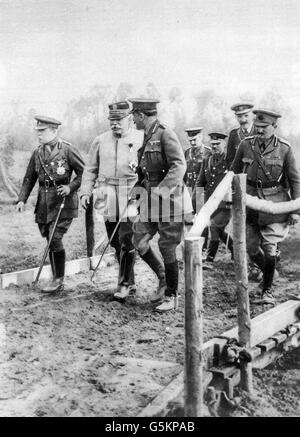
x,y
194,157
161,171
52,165
111,173
272,174
235,137
238,134
212,172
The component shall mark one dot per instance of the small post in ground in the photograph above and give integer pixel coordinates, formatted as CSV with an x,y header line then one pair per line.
x,y
240,263
89,228
193,368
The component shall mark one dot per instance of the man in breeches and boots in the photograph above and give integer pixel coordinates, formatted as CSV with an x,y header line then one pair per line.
x,y
272,174
52,165
111,171
161,169
212,172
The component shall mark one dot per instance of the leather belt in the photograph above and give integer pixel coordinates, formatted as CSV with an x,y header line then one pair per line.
x,y
116,181
47,184
260,184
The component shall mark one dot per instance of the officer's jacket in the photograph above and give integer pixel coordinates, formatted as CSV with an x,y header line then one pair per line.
x,y
234,139
213,170
111,171
162,164
271,175
194,157
51,171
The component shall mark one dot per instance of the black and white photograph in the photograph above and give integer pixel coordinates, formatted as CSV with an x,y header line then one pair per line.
x,y
150,211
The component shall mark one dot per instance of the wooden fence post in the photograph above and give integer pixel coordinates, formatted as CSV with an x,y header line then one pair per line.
x,y
240,262
89,228
193,368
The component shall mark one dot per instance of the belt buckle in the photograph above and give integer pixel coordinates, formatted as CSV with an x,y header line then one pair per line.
x,y
47,184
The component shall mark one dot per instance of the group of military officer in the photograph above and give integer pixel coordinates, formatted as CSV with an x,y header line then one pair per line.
x,y
140,176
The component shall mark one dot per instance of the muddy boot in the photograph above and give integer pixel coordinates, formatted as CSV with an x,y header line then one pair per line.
x,y
126,274
157,266
170,301
267,294
57,285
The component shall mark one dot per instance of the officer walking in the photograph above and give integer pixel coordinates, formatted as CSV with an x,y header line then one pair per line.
x,y
245,117
161,169
111,171
272,174
52,165
212,172
194,155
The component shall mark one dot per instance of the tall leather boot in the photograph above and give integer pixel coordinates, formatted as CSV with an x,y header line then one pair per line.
x,y
212,251
126,274
259,260
157,266
270,265
59,260
51,258
170,302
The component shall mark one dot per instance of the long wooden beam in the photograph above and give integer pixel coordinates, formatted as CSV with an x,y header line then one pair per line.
x,y
270,207
202,219
263,327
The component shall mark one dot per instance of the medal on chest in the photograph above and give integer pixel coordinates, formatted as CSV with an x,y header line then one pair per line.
x,y
133,165
60,167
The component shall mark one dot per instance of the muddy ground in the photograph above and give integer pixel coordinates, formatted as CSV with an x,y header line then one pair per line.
x,y
82,354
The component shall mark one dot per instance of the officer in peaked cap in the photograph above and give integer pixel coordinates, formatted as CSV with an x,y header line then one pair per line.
x,y
272,174
194,155
245,117
111,172
161,169
53,164
213,170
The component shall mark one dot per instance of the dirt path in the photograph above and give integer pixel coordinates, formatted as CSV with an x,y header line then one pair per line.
x,y
82,354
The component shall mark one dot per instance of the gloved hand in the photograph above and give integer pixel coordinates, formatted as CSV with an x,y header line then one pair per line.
x,y
85,201
293,219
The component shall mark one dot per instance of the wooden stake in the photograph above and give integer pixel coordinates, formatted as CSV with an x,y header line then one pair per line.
x,y
193,370
240,263
89,228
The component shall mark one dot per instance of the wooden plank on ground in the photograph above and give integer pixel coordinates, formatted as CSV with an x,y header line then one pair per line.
x,y
27,276
268,323
263,326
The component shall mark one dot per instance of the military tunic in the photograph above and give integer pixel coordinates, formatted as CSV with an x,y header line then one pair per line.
x,y
271,175
213,171
194,158
50,171
162,165
111,173
235,137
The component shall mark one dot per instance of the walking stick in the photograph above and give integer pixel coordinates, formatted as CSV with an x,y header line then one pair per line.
x,y
113,234
49,242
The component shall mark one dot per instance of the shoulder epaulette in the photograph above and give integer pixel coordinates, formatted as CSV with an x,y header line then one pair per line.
x,y
208,148
251,137
283,141
66,142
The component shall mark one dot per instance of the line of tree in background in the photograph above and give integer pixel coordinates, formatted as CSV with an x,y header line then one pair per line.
x,y
86,117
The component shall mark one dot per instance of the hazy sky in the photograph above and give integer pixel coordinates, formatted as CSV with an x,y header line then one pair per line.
x,y
54,50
